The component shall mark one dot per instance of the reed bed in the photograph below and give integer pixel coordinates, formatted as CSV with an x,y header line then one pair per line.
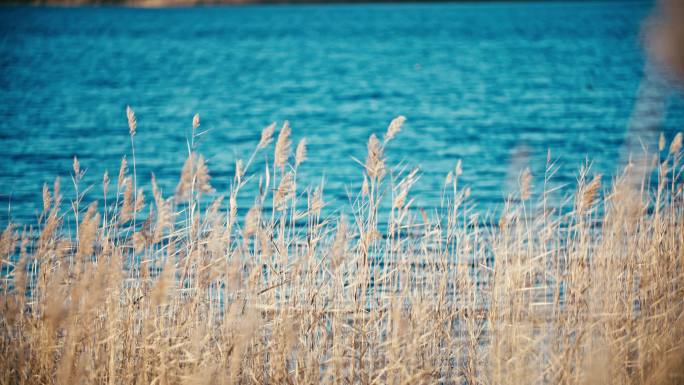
x,y
151,287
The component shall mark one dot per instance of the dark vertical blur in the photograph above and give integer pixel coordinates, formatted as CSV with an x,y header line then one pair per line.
x,y
663,40
665,37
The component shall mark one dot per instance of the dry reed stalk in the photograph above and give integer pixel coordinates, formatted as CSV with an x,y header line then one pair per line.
x,y
448,299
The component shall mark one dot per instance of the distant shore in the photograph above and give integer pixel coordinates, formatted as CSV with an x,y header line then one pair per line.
x,y
188,3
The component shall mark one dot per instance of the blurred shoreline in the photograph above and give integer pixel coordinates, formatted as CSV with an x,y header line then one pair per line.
x,y
192,3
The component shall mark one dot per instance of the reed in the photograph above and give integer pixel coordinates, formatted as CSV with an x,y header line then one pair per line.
x,y
182,290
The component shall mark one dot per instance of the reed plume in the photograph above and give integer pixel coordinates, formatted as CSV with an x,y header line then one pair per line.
x,y
284,191
394,128
266,135
375,162
525,184
282,147
676,144
132,123
589,192
300,153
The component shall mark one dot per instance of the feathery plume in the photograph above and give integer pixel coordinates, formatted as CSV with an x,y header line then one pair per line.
x,y
589,193
46,198
202,176
403,188
233,209
525,184
77,168
164,212
184,187
300,153
128,205
283,192
239,170
8,240
132,123
375,163
252,221
282,147
266,136
661,142
160,292
123,170
87,231
56,191
143,238
317,203
394,127
400,199
105,182
676,144
139,200
195,121
194,177
339,247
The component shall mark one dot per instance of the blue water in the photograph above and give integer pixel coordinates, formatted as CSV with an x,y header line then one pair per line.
x,y
481,82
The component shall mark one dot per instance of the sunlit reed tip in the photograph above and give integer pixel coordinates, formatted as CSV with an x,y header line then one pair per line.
x,y
300,153
676,144
394,127
195,121
375,163
282,147
132,123
77,168
525,184
266,136
589,193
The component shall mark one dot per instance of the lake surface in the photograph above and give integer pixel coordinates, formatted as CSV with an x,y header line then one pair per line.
x,y
479,82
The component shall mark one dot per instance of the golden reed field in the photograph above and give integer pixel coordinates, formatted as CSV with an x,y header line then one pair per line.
x,y
174,287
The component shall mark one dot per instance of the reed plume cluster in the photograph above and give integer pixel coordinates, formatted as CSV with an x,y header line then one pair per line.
x,y
180,289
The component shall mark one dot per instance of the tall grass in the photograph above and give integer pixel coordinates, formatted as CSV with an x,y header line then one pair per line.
x,y
179,289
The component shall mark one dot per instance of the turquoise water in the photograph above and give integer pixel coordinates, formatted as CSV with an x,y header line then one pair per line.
x,y
480,82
